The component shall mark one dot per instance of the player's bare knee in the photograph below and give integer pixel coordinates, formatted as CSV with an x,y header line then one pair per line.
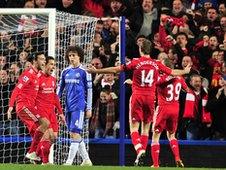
x,y
44,123
170,135
156,135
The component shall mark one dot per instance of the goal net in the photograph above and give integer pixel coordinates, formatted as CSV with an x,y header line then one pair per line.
x,y
22,34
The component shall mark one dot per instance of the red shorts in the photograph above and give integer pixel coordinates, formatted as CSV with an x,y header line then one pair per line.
x,y
167,118
50,114
53,122
141,108
28,117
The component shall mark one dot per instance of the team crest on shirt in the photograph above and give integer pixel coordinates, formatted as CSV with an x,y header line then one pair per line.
x,y
25,79
77,75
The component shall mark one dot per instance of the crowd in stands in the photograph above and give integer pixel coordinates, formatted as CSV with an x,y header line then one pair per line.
x,y
187,32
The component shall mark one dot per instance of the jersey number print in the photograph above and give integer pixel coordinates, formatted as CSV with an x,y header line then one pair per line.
x,y
147,78
173,92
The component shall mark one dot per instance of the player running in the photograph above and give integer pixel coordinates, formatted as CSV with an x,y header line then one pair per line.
x,y
145,75
25,94
167,114
47,102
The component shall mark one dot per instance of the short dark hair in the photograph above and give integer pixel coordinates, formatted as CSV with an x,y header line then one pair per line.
x,y
182,33
34,57
140,36
106,89
49,58
146,47
75,49
195,75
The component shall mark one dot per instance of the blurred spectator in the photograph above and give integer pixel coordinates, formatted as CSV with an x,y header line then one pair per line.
x,y
106,30
144,20
114,29
27,45
205,53
23,55
172,55
40,3
6,86
212,22
216,105
27,65
3,62
156,46
205,5
119,8
29,4
185,61
222,9
14,72
103,117
70,6
177,9
222,31
198,120
96,62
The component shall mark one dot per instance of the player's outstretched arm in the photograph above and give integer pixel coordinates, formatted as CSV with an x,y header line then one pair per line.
x,y
92,69
177,72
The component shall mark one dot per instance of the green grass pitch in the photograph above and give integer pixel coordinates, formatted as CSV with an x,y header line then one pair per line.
x,y
59,167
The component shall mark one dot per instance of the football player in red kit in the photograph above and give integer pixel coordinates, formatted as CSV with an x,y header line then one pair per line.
x,y
47,102
167,113
25,94
145,75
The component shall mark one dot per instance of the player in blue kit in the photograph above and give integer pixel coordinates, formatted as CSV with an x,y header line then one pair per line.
x,y
77,83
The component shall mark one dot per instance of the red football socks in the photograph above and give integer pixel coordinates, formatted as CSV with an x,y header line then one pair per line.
x,y
136,141
155,149
175,149
45,149
35,141
144,141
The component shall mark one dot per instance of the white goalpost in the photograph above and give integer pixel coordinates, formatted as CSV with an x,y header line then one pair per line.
x,y
24,32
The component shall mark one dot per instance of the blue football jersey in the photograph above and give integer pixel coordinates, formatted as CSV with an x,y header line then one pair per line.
x,y
77,83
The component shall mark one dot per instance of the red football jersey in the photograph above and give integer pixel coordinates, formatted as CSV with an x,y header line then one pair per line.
x,y
145,74
168,89
26,89
47,98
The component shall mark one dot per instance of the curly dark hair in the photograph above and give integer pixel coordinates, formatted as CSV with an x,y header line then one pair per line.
x,y
75,49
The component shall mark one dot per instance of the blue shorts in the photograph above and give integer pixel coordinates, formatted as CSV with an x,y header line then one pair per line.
x,y
75,121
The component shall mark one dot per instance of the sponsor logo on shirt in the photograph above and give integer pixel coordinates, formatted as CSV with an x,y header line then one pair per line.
x,y
48,90
72,81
